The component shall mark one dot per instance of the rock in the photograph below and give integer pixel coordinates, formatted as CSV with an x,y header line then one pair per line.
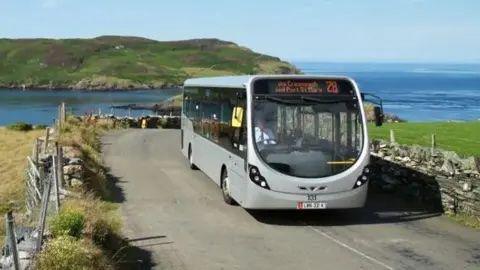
x,y
448,167
417,153
75,182
452,156
402,152
75,161
467,186
73,170
469,163
71,152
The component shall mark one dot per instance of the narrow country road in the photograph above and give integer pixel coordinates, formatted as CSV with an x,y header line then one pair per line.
x,y
176,219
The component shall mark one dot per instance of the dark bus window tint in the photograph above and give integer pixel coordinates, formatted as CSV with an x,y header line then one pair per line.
x,y
211,109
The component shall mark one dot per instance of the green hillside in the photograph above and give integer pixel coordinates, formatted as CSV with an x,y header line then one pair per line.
x,y
112,62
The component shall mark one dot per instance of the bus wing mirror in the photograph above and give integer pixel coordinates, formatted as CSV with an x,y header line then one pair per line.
x,y
237,117
378,114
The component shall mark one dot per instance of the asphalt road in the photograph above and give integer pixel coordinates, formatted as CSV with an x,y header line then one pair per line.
x,y
176,219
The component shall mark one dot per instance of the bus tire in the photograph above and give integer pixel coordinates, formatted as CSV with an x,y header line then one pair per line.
x,y
190,158
225,184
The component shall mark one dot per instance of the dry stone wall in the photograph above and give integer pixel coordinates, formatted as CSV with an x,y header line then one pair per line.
x,y
440,179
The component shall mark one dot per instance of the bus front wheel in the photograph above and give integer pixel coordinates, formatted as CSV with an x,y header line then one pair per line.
x,y
225,185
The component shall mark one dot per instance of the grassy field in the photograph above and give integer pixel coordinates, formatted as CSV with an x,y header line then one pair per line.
x,y
14,148
461,137
125,62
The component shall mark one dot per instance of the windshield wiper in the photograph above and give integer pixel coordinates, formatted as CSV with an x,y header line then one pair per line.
x,y
312,99
281,100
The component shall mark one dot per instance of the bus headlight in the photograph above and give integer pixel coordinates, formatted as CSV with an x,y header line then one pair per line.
x,y
362,179
257,178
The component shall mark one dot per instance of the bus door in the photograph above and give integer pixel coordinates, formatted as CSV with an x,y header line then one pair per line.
x,y
237,160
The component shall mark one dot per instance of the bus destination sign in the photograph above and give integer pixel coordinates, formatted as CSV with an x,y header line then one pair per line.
x,y
303,86
306,87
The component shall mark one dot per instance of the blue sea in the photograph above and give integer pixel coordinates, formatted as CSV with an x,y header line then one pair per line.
x,y
415,92
41,107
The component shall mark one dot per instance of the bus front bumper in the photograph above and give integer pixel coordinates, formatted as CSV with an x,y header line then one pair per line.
x,y
259,198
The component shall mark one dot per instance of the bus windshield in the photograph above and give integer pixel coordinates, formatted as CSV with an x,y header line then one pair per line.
x,y
307,134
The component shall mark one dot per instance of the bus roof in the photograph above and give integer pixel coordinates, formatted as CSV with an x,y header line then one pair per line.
x,y
223,81
242,80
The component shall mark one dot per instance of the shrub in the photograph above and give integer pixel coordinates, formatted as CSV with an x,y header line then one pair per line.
x,y
102,223
20,126
68,222
68,253
40,127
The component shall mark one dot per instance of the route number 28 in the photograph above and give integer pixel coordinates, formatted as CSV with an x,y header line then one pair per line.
x,y
332,87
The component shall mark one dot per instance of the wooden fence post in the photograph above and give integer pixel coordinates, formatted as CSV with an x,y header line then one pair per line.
x,y
7,238
55,182
58,122
392,136
13,239
59,166
47,138
63,115
35,151
434,144
43,214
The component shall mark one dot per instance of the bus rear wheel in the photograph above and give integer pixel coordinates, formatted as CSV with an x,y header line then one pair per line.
x,y
190,158
225,185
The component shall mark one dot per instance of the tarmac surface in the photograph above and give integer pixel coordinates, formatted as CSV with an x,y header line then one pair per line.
x,y
175,218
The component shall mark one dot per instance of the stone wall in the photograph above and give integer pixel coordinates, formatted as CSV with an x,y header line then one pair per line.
x,y
440,179
72,166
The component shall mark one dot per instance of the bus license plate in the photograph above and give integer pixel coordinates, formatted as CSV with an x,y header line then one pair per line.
x,y
311,205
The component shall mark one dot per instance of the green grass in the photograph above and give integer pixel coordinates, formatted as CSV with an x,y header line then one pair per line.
x,y
467,220
63,63
461,137
14,148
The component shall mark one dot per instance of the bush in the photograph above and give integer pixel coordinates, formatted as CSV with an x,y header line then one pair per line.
x,y
170,123
102,223
40,127
20,126
67,253
68,222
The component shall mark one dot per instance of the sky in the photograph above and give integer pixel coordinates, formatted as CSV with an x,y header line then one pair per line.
x,y
301,30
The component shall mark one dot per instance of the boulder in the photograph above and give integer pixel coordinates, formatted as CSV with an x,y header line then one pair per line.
x,y
75,161
71,152
469,163
452,156
75,182
467,186
448,167
73,170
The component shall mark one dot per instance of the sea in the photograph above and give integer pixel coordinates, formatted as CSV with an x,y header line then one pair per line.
x,y
41,106
413,92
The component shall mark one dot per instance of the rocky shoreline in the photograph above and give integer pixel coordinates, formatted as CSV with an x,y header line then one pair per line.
x,y
77,87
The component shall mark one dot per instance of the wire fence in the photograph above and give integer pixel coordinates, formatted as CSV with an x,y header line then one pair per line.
x,y
43,191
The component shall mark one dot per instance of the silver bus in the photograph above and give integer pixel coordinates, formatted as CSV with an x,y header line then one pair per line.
x,y
279,141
